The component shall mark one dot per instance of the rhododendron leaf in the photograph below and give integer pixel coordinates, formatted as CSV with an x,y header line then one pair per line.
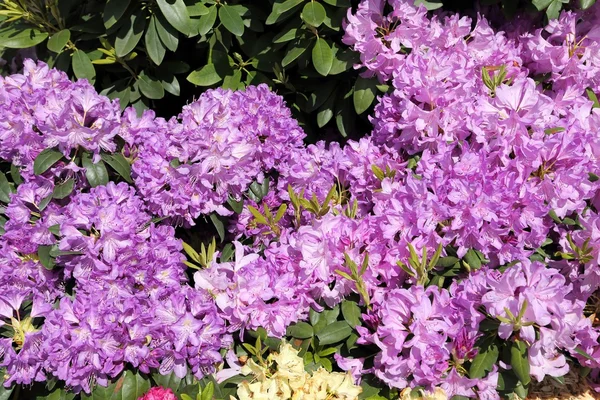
x,y
5,189
282,10
207,21
131,386
119,164
429,5
593,177
334,333
175,12
130,34
63,189
208,391
150,86
167,34
351,312
295,50
20,36
185,397
113,11
258,216
83,67
226,253
592,96
313,13
364,94
280,212
45,258
236,205
472,259
585,4
582,353
57,41
231,20
45,160
96,174
322,57
300,330
15,173
154,46
448,261
519,361
287,33
219,226
205,76
484,360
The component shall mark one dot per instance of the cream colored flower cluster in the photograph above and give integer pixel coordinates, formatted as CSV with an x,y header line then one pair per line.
x,y
289,381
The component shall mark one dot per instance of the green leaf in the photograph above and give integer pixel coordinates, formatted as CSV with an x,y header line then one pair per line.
x,y
96,174
585,4
175,11
130,34
231,20
170,381
45,258
300,330
208,391
282,9
64,189
20,37
322,57
167,34
207,21
132,386
150,86
170,83
45,160
541,4
364,94
520,362
334,333
219,226
113,11
83,67
295,50
325,113
154,46
351,312
56,394
119,164
484,360
289,32
429,5
205,76
5,189
15,173
313,13
553,9
582,353
592,96
58,41
472,259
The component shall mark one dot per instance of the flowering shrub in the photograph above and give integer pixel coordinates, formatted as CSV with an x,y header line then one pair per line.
x,y
453,252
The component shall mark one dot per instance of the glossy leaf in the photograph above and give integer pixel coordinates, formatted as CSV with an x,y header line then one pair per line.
x,y
45,258
113,11
585,4
96,174
429,5
45,160
58,41
63,189
364,93
175,12
131,386
231,20
20,37
351,312
150,86
5,189
300,330
313,13
334,333
322,57
219,226
130,34
119,164
280,9
167,34
154,46
83,67
520,362
207,21
205,76
484,360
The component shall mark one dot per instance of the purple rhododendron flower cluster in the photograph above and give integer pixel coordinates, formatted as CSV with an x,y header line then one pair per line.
x,y
468,216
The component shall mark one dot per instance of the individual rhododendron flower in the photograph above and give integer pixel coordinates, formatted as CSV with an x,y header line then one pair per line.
x,y
159,393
